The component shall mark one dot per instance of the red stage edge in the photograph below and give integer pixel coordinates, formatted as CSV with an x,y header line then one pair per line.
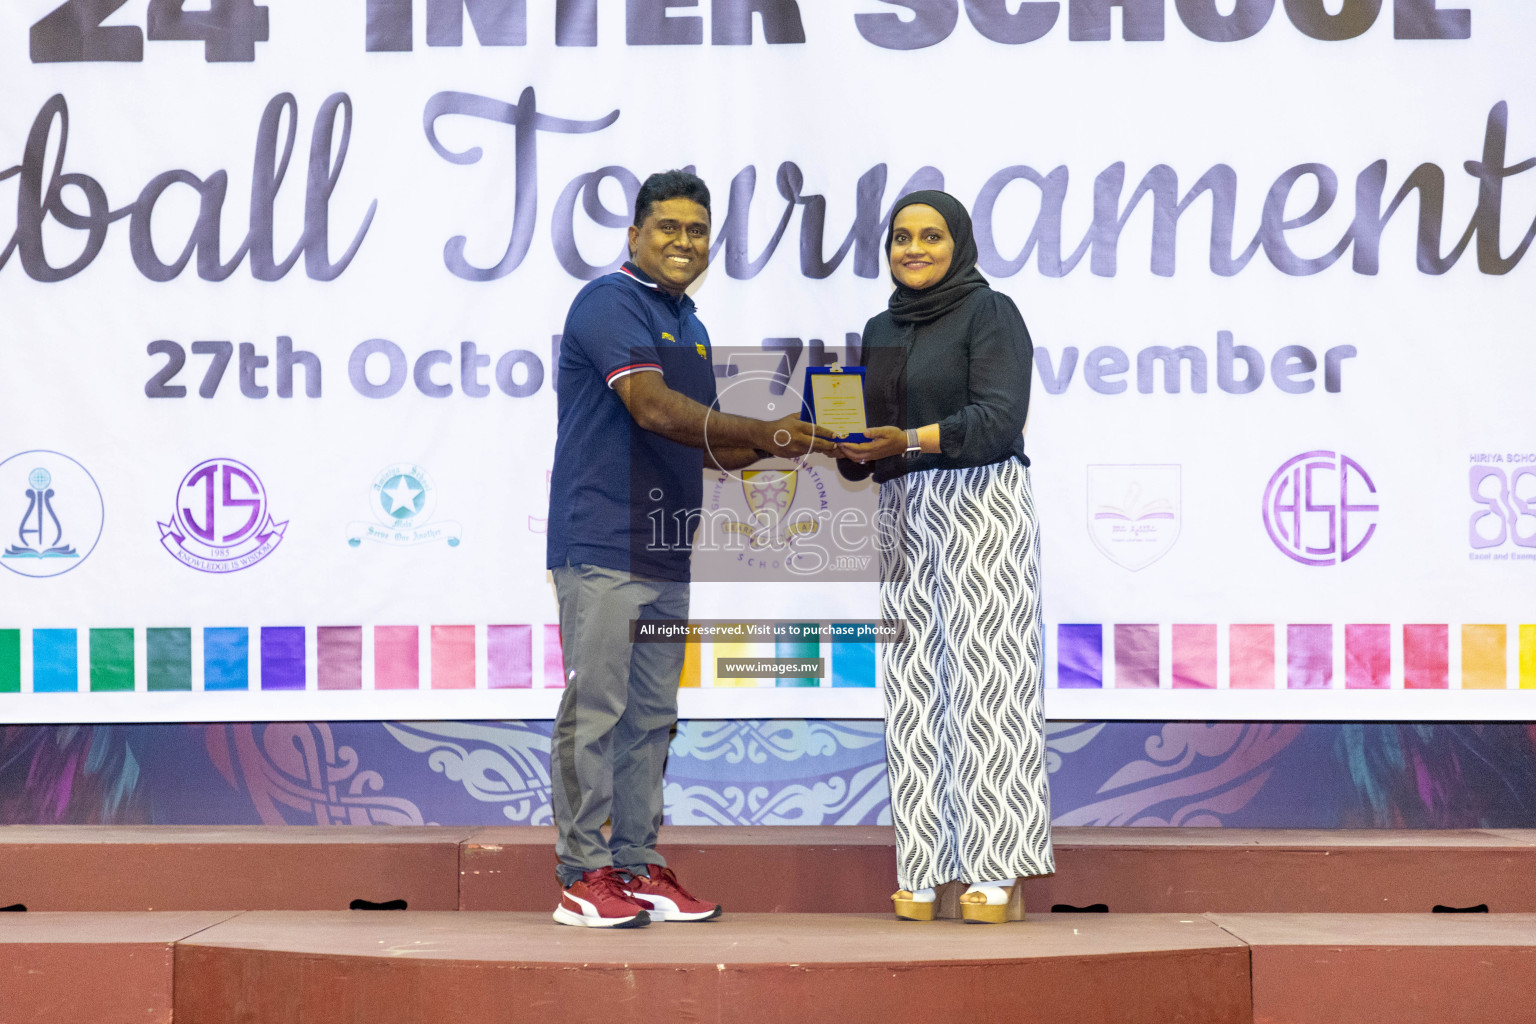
x,y
832,869
773,968
249,925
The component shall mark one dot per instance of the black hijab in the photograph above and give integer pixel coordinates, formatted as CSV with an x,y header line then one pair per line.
x,y
914,306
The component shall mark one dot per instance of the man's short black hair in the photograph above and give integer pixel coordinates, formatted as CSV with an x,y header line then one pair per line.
x,y
664,185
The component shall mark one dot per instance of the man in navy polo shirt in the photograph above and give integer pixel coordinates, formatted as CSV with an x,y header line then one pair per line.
x,y
636,430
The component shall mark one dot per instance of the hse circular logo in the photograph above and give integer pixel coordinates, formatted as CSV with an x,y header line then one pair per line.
x,y
1320,508
221,523
53,509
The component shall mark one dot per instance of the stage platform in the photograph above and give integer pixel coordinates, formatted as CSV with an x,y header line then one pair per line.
x,y
89,867
92,967
778,968
250,926
1389,968
768,870
424,967
1127,870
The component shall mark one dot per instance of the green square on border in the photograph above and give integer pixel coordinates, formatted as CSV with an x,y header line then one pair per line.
x,y
111,660
168,658
10,661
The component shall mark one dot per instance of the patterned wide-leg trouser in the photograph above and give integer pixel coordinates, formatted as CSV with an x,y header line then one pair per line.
x,y
965,731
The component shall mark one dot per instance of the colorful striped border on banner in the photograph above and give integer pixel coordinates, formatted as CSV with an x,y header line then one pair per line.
x,y
1142,668
355,658
1296,656
279,658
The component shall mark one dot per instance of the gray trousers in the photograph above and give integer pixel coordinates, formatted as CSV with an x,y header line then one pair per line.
x,y
616,718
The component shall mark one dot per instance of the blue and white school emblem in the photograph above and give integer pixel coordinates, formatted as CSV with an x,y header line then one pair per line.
x,y
403,502
53,509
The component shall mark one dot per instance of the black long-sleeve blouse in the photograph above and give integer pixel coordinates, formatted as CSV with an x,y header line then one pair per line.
x,y
968,371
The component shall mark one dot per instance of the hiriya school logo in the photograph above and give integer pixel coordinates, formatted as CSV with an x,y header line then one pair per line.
x,y
783,509
1320,508
402,501
1134,512
54,510
1502,527
222,523
770,493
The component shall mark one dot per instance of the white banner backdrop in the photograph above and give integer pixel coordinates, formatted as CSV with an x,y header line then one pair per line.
x,y
281,290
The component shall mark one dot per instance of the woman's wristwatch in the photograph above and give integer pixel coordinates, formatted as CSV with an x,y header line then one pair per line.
x,y
914,446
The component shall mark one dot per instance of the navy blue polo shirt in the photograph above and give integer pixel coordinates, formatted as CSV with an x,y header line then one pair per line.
x,y
620,496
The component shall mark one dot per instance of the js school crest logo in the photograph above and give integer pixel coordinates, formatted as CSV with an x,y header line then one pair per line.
x,y
403,501
222,523
57,509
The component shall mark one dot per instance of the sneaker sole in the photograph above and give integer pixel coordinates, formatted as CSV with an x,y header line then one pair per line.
x,y
708,915
570,917
658,914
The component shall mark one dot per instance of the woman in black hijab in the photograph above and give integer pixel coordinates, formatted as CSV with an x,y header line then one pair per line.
x,y
948,369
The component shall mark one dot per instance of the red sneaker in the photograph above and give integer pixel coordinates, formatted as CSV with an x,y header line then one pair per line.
x,y
600,900
667,899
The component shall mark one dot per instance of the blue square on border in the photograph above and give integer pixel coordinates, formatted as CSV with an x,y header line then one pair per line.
x,y
55,661
226,658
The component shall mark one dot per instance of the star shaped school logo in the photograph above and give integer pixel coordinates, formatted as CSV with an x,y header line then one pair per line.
x,y
403,497
402,501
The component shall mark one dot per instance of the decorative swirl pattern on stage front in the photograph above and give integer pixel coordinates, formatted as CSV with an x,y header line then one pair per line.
x,y
857,798
296,773
503,763
765,772
777,772
759,740
1194,774
814,772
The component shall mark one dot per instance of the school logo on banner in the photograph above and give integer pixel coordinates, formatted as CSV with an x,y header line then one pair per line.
x,y
403,501
1320,508
222,523
52,507
780,524
770,494
1134,512
1502,526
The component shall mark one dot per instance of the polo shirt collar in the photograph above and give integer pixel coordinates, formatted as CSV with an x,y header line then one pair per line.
x,y
640,275
645,280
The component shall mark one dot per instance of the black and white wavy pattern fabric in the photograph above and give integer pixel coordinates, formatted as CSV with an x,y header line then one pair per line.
x,y
965,729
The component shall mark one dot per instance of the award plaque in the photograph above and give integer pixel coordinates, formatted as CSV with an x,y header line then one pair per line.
x,y
834,398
